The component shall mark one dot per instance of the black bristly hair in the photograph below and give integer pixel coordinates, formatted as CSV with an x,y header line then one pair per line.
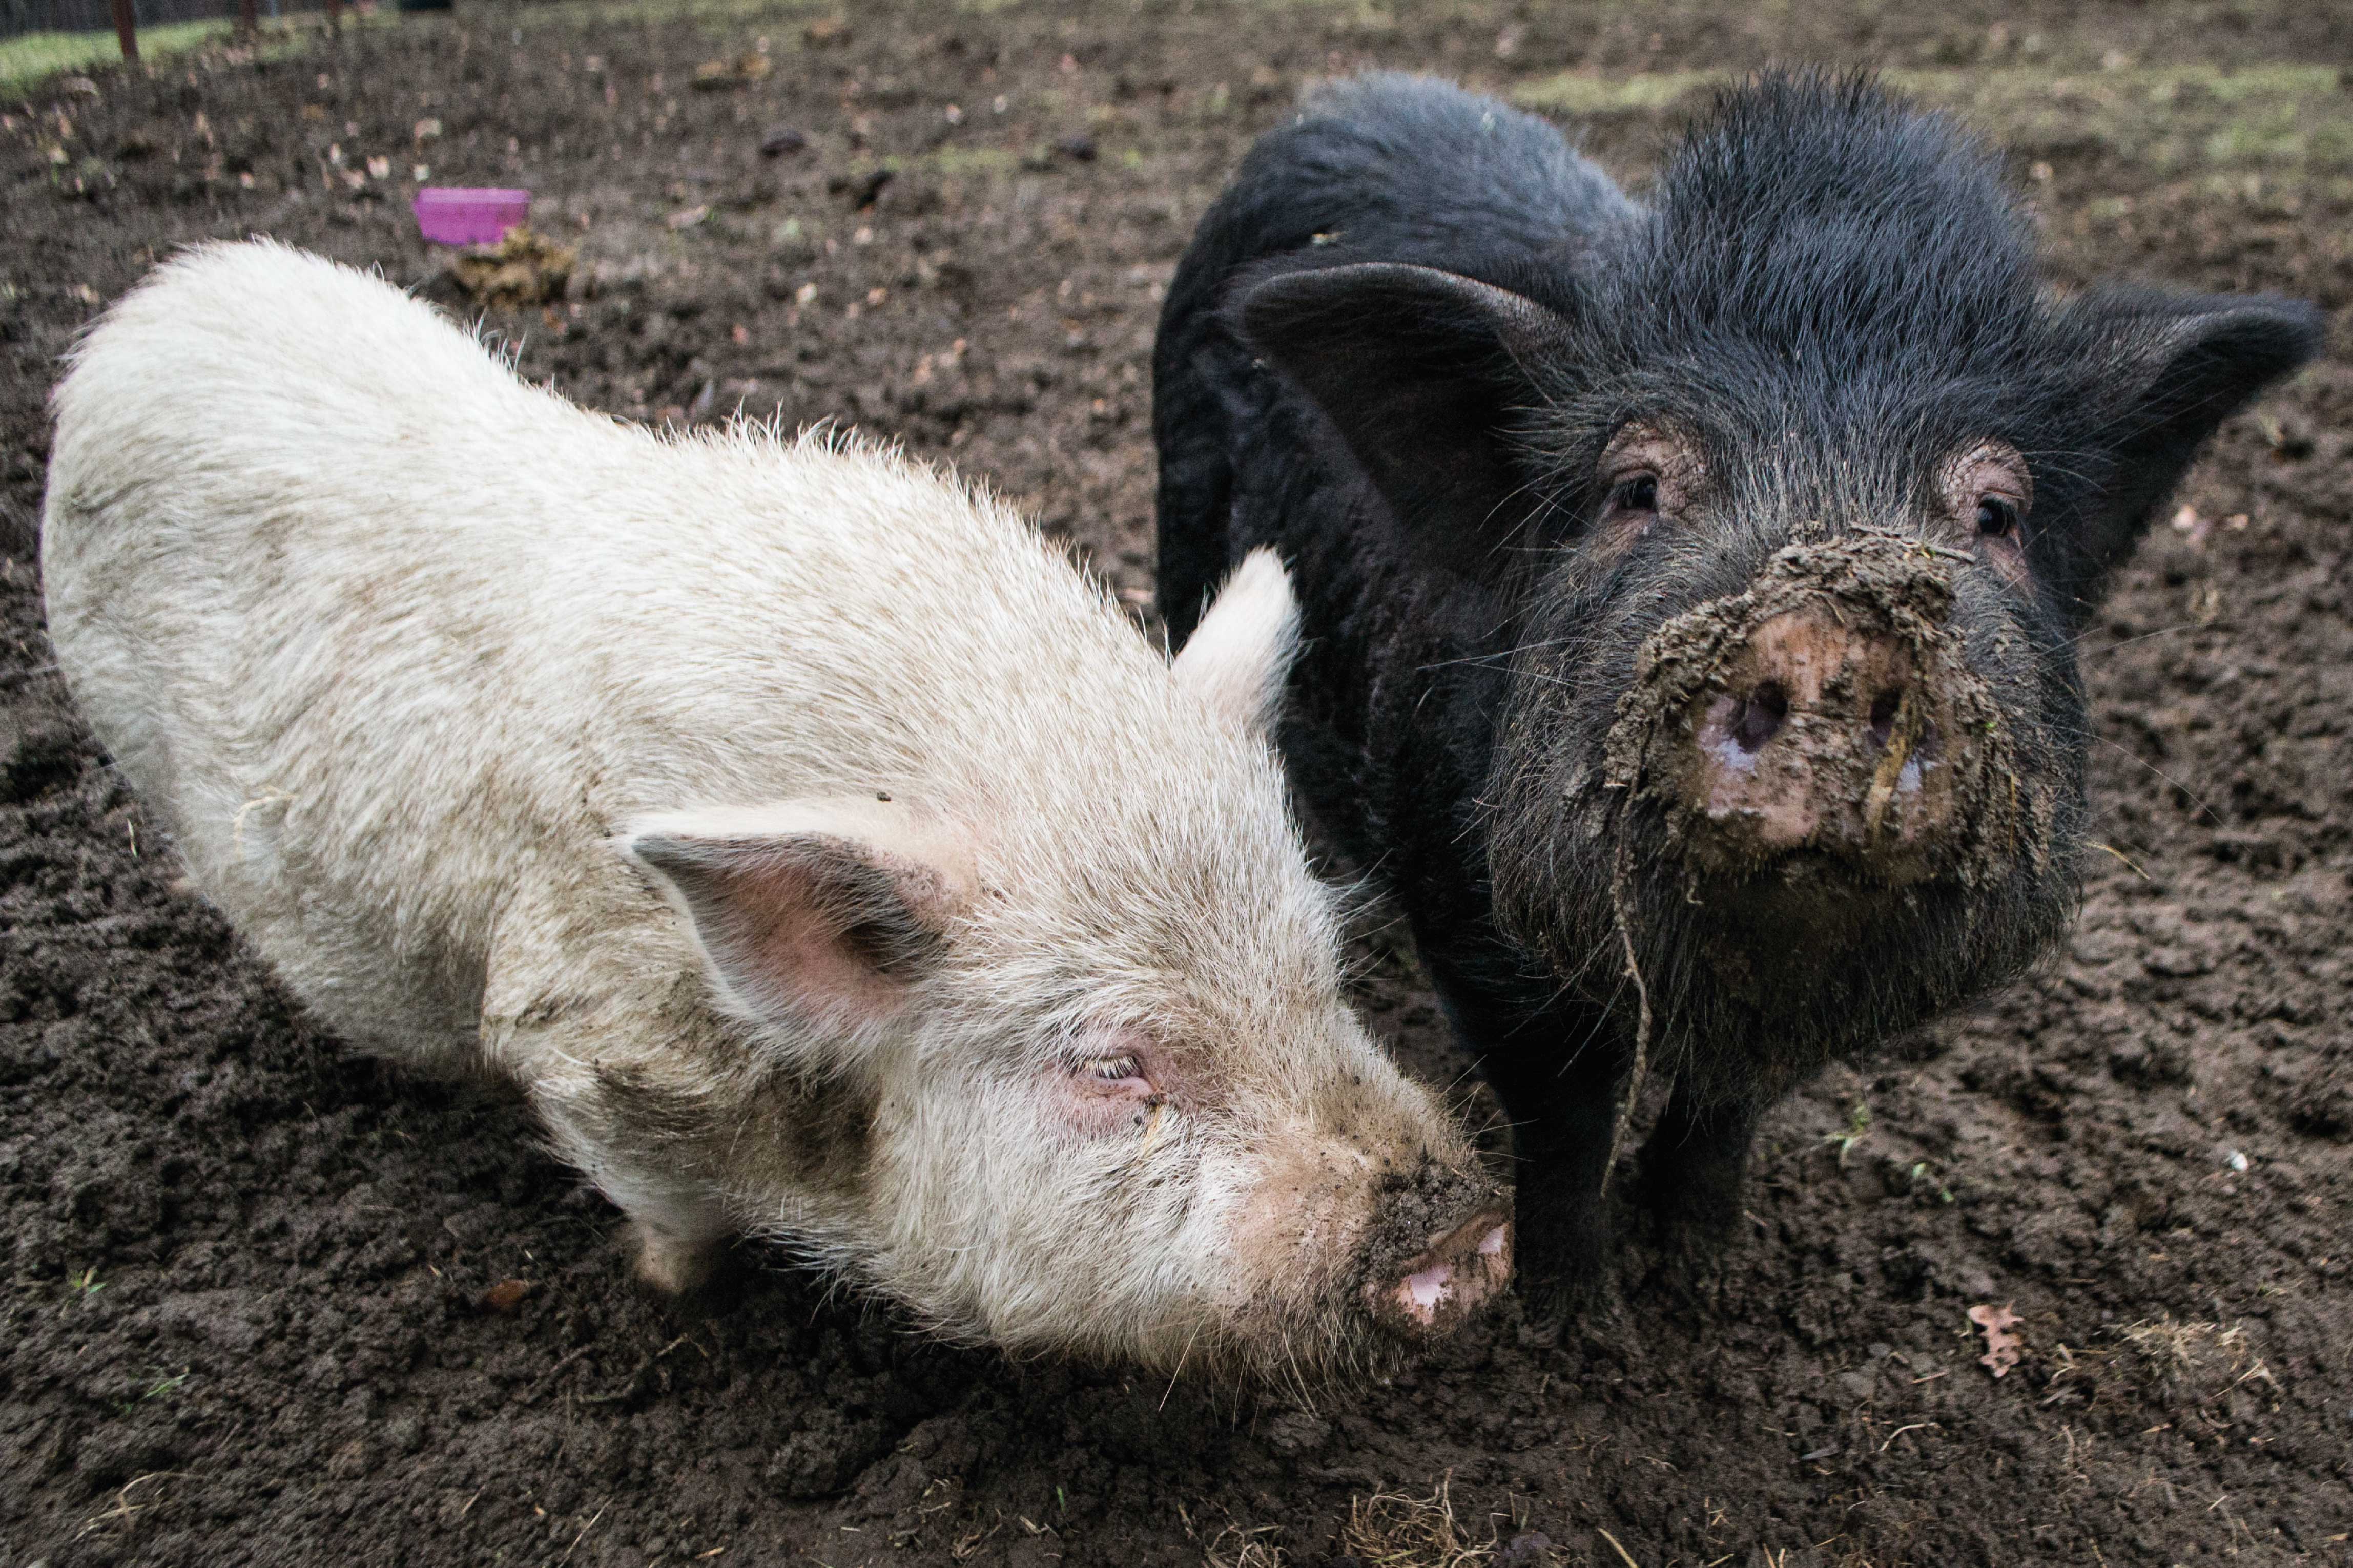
x,y
1397,351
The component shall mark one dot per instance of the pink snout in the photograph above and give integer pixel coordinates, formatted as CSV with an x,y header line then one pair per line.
x,y
1438,1286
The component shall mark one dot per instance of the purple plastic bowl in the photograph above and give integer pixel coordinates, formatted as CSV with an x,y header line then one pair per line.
x,y
449,216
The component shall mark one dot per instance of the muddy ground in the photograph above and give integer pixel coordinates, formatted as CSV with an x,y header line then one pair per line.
x,y
247,1315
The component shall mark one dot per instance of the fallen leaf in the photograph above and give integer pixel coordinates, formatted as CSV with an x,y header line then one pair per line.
x,y
506,1295
2002,1347
688,217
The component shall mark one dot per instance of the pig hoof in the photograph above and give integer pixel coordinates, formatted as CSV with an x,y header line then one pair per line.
x,y
1549,1305
674,1265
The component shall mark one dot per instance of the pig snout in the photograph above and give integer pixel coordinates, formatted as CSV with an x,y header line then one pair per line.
x,y
1422,1280
1825,719
1822,736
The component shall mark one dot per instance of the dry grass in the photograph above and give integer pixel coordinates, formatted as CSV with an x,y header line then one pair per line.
x,y
2187,1368
1235,1547
1390,1529
1386,1530
2202,1360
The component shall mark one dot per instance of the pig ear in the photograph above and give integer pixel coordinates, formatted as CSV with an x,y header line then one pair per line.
x,y
1421,372
1239,657
2189,361
821,913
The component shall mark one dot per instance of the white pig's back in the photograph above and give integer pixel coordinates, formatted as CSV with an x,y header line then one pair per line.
x,y
389,639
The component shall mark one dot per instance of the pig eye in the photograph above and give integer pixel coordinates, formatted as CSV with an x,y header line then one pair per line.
x,y
1636,492
1111,1069
1996,518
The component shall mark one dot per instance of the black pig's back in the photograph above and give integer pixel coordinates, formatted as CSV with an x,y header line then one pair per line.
x,y
1379,168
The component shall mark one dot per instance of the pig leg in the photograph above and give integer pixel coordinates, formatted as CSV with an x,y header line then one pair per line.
x,y
1558,1077
679,1232
1692,1166
1561,1116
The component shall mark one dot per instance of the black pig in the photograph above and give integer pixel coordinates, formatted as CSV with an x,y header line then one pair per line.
x,y
1690,585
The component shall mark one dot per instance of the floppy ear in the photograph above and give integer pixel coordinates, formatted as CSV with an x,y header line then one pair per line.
x,y
1421,372
2186,362
1239,655
820,914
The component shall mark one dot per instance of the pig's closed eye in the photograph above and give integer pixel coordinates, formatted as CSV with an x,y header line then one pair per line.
x,y
1114,1076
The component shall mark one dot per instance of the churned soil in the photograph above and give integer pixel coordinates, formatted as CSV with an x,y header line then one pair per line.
x,y
269,1302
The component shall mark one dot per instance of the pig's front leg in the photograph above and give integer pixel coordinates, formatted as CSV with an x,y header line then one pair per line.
x,y
1562,1113
1694,1165
674,1262
679,1231
1558,1071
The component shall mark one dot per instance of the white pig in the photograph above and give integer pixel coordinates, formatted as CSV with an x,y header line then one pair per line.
x,y
823,857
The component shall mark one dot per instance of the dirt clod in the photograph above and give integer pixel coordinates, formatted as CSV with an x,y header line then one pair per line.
x,y
524,268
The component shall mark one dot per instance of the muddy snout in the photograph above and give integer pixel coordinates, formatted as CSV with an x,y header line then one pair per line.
x,y
1821,736
1826,710
1437,1251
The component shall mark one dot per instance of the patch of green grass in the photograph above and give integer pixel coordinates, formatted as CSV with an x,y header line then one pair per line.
x,y
158,1385
29,58
1924,1178
84,1286
1586,92
954,162
2170,118
1858,1128
595,13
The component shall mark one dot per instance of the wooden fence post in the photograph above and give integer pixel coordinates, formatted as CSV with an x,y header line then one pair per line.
x,y
126,29
334,12
247,21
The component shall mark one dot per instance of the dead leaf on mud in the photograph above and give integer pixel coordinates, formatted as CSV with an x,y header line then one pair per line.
x,y
2002,1347
506,1297
523,268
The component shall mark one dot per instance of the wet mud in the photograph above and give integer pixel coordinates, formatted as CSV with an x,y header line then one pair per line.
x,y
270,1302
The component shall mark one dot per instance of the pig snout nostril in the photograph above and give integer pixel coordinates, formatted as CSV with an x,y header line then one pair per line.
x,y
1760,717
1423,1291
1884,709
1459,1270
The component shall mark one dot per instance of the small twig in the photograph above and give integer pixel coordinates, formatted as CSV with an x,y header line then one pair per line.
x,y
1642,1067
1915,1426
629,1390
2127,859
1623,1555
584,1532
